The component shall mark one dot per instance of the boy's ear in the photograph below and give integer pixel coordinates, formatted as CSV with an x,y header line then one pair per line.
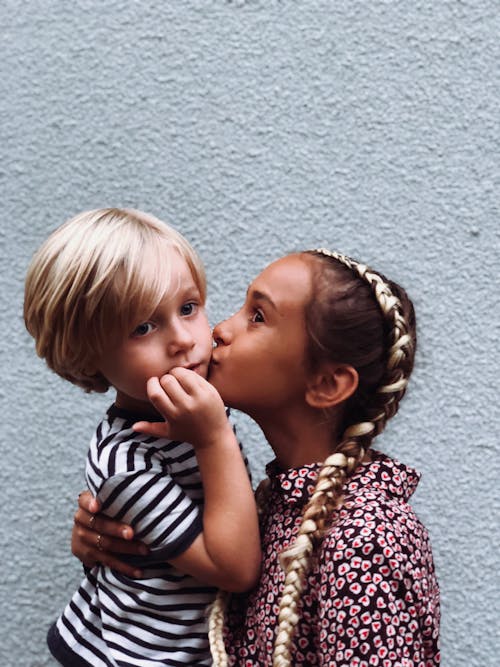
x,y
331,385
91,368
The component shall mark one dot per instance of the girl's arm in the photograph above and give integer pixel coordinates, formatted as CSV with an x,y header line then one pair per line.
x,y
97,539
227,552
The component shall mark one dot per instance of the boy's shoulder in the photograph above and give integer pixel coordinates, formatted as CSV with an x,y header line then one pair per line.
x,y
115,447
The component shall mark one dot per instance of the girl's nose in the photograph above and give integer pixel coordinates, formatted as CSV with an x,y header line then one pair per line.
x,y
222,333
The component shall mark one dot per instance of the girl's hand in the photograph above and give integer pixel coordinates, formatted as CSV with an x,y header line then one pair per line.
x,y
192,407
95,538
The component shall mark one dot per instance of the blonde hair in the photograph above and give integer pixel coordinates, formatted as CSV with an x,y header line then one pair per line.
x,y
93,280
358,317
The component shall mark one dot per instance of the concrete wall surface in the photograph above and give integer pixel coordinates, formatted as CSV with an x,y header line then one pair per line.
x,y
258,128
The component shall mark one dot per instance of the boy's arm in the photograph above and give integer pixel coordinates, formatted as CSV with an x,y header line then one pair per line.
x,y
227,552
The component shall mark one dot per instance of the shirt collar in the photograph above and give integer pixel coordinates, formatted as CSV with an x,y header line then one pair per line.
x,y
382,473
294,485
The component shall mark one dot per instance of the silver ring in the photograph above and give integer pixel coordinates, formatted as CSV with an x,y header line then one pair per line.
x,y
99,540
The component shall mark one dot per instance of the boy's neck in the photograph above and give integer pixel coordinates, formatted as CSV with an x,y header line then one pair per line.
x,y
125,402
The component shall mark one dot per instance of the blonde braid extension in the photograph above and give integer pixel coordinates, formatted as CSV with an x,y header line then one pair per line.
x,y
215,626
217,609
337,468
326,497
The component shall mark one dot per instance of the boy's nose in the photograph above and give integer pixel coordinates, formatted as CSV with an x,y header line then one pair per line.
x,y
180,339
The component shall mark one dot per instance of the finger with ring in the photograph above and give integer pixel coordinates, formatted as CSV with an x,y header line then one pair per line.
x,y
99,543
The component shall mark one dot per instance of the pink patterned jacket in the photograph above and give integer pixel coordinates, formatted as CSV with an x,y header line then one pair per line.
x,y
371,598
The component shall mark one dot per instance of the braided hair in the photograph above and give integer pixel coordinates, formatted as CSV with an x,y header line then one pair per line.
x,y
218,607
357,317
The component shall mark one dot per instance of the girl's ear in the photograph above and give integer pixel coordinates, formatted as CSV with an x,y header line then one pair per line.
x,y
331,385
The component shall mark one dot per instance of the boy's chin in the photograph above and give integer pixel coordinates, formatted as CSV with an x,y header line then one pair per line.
x,y
202,370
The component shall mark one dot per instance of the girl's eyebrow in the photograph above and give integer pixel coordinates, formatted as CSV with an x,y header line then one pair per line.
x,y
260,296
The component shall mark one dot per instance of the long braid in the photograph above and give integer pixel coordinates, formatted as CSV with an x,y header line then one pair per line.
x,y
215,629
337,468
217,609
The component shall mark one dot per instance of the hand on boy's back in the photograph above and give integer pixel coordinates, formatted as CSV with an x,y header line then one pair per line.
x,y
192,408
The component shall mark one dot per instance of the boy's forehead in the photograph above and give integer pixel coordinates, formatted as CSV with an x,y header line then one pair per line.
x,y
174,264
179,278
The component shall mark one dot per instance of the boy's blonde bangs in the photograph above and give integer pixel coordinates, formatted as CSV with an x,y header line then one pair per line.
x,y
94,280
132,290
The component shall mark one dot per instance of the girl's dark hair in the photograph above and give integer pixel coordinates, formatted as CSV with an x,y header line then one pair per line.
x,y
359,317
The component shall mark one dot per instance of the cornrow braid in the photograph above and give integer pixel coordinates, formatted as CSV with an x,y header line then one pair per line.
x,y
327,496
401,344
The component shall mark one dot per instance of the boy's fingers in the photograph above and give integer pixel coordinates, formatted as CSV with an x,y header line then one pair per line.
x,y
172,386
188,379
159,392
156,429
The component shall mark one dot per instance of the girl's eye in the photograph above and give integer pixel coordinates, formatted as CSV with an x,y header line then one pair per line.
x,y
142,330
188,308
257,316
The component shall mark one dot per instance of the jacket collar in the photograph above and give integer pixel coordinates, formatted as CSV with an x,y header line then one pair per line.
x,y
383,474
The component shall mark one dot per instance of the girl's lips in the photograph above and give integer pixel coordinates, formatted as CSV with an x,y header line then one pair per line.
x,y
213,365
213,360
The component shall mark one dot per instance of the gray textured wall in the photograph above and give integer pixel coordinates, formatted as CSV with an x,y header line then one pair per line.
x,y
258,128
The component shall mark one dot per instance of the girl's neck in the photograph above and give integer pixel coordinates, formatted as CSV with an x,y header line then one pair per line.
x,y
298,439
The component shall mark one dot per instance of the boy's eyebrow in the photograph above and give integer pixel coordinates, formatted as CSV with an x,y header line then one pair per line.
x,y
189,292
260,296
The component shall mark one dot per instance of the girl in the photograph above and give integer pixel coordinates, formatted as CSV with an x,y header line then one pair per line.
x,y
320,356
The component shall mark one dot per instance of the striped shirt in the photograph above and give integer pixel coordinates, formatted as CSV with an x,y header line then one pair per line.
x,y
112,620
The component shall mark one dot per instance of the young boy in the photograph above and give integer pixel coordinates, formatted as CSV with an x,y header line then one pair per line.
x,y
113,298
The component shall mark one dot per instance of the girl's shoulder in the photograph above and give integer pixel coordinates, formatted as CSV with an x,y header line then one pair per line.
x,y
376,516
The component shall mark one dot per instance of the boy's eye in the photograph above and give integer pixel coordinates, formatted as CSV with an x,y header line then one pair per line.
x,y
257,316
142,330
188,308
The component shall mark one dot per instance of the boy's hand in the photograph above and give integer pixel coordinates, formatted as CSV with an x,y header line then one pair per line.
x,y
97,539
192,407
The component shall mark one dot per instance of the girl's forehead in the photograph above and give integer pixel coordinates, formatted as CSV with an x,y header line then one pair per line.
x,y
286,270
287,282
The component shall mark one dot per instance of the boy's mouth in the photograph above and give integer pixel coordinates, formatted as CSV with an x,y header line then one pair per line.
x,y
197,368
